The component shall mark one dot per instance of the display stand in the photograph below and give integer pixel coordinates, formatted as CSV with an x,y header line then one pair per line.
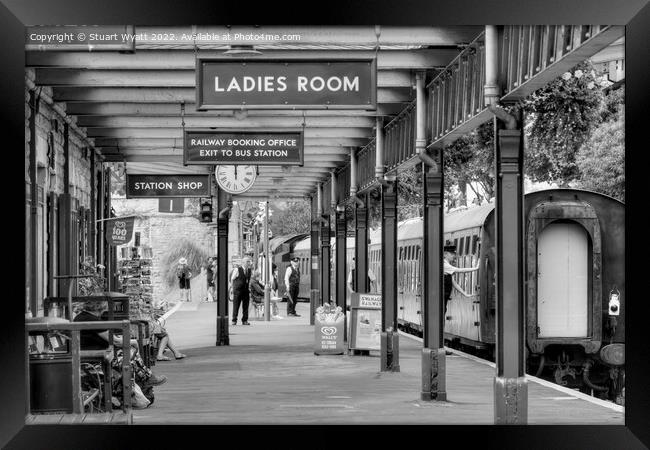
x,y
135,281
365,322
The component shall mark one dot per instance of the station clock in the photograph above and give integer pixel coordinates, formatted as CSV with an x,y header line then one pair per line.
x,y
235,179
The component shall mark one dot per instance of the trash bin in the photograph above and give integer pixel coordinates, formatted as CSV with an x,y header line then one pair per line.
x,y
50,370
328,330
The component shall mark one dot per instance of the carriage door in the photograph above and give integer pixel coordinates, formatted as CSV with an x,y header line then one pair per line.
x,y
562,281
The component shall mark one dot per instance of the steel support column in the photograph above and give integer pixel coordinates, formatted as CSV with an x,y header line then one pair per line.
x,y
326,267
224,204
33,209
389,361
66,238
510,386
341,242
92,226
433,353
360,280
314,292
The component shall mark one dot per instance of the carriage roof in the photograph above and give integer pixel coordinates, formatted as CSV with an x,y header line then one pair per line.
x,y
287,238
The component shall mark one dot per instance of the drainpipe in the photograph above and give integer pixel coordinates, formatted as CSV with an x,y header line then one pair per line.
x,y
420,129
379,148
353,178
334,188
492,92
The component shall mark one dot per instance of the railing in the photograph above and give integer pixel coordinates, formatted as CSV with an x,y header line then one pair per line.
x,y
399,141
456,95
528,50
366,165
455,103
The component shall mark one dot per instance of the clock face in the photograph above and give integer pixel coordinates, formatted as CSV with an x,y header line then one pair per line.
x,y
235,179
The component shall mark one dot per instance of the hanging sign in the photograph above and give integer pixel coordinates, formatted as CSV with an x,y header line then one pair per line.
x,y
286,83
142,186
243,147
119,231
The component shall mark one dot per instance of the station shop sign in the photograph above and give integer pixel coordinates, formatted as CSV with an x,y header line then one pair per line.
x,y
243,147
286,83
146,186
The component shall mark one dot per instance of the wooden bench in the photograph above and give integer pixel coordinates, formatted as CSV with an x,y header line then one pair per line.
x,y
118,309
74,328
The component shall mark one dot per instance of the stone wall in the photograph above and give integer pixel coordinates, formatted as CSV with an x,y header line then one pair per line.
x,y
160,231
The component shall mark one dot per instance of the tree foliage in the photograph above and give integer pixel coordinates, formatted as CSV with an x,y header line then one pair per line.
x,y
294,219
601,159
560,118
469,161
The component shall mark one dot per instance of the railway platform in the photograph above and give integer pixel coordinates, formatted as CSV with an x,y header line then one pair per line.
x,y
270,375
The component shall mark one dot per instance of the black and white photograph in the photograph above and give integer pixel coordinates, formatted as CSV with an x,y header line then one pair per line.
x,y
328,225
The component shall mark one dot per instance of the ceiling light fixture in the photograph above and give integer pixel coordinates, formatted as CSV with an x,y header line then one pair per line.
x,y
242,50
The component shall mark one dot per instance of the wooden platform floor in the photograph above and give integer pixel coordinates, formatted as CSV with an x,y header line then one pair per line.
x,y
270,375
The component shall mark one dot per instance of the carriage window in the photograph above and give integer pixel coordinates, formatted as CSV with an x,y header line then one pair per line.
x,y
456,242
460,248
467,245
474,242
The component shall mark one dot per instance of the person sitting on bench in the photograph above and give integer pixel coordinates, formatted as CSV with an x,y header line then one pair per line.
x,y
256,289
98,340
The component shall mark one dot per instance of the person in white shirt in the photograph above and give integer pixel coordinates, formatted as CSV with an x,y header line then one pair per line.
x,y
351,281
292,284
449,251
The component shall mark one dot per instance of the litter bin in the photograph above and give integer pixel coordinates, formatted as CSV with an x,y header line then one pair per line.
x,y
50,370
328,330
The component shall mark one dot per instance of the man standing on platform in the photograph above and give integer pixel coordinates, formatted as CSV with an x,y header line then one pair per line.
x,y
292,283
239,280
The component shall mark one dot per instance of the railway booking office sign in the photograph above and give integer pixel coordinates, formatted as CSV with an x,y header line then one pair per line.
x,y
286,83
144,186
247,147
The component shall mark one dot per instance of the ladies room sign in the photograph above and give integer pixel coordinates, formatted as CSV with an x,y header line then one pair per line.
x,y
286,83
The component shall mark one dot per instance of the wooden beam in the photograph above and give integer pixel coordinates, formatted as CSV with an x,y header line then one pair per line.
x,y
227,122
177,132
179,158
164,78
303,36
177,95
186,59
111,108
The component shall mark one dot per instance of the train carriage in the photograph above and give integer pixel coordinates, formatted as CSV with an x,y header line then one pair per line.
x,y
574,284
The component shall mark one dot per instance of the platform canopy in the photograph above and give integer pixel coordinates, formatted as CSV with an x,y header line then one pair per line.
x,y
134,101
131,103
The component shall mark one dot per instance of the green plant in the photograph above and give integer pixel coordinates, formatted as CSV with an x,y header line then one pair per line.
x,y
96,282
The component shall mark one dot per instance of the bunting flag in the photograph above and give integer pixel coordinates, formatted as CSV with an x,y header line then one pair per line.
x,y
119,231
